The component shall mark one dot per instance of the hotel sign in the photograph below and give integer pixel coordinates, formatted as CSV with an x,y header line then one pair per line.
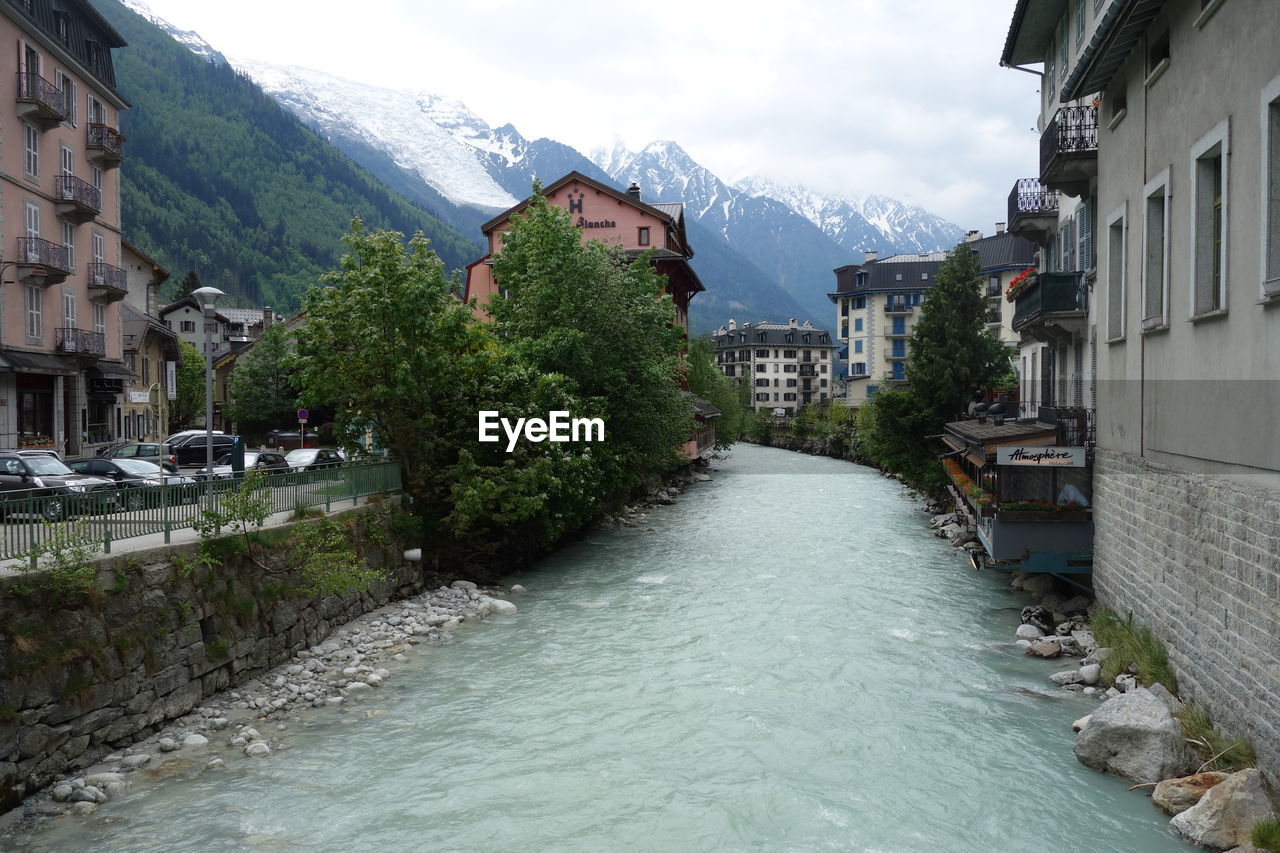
x,y
1042,457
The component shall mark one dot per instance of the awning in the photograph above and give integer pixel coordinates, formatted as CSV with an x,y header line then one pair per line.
x,y
19,361
109,370
953,442
1114,38
977,458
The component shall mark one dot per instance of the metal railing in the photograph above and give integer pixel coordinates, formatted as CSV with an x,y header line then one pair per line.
x,y
107,139
36,250
1074,130
80,340
1029,197
73,189
1048,293
1077,426
109,276
898,308
35,89
110,515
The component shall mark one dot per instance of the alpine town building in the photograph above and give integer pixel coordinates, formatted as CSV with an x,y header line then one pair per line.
x,y
787,365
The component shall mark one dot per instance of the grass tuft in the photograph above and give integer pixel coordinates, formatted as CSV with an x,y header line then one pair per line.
x,y
1216,750
1266,834
1134,649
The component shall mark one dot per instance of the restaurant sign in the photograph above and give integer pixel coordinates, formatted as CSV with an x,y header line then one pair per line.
x,y
1044,457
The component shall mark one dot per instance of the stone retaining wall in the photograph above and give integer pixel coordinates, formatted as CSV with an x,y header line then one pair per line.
x,y
81,678
1197,559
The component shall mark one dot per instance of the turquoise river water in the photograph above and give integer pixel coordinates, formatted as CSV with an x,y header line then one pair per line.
x,y
788,661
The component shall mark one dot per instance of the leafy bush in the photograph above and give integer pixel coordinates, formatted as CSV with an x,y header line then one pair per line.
x,y
65,555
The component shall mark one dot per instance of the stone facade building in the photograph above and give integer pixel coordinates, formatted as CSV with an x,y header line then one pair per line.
x,y
788,365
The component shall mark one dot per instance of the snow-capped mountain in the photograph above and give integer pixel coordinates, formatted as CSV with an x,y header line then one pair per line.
x,y
188,38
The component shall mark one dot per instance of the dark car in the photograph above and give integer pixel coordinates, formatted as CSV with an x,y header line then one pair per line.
x,y
254,460
313,458
43,485
190,450
149,451
138,480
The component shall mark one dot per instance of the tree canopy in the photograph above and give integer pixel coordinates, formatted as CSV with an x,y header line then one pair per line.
x,y
263,396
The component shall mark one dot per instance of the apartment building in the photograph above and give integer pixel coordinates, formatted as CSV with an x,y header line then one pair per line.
x,y
1003,258
877,304
1163,138
150,350
61,369
788,365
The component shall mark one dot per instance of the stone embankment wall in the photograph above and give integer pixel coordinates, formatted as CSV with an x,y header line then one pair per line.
x,y
83,676
1197,559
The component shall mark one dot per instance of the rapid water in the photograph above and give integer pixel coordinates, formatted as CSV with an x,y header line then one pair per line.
x,y
788,661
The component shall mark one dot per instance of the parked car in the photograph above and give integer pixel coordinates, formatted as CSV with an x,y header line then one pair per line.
x,y
313,458
150,451
134,477
190,450
43,452
285,440
59,491
187,433
254,460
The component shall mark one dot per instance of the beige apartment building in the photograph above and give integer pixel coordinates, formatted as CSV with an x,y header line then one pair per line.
x,y
787,365
1161,127
61,370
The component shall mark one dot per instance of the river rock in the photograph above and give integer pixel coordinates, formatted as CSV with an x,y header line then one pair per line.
x,y
1134,736
62,793
84,809
1224,817
1039,586
1126,683
1084,637
1070,676
167,744
133,762
1080,723
1174,703
1041,617
1045,649
1029,632
195,740
1098,655
501,607
1175,796
257,749
518,588
1090,673
468,586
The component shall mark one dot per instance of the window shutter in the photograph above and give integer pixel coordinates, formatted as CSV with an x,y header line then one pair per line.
x,y
1084,232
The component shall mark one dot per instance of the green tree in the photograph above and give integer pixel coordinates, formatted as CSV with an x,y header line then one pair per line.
x,y
188,405
261,388
588,313
892,432
189,284
951,353
706,381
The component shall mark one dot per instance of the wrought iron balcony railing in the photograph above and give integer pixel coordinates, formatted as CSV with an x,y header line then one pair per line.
x,y
35,250
1031,199
109,278
69,188
1069,148
106,142
1077,426
898,308
50,101
1050,293
81,341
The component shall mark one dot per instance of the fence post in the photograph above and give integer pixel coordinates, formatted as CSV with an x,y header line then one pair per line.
x,y
164,507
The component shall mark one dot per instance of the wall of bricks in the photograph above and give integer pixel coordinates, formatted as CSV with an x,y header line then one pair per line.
x,y
1197,559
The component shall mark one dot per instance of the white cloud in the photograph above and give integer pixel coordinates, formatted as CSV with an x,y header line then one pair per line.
x,y
899,97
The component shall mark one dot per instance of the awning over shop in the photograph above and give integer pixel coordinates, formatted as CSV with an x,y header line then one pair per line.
x,y
979,440
109,370
20,361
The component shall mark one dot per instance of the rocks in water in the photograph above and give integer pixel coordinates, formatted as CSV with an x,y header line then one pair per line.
x,y
1090,673
518,588
1126,683
1029,632
1085,640
62,793
1134,736
195,740
167,744
1225,815
467,586
1098,655
1080,723
1045,649
257,749
1039,586
1175,796
1041,617
133,762
1070,676
497,605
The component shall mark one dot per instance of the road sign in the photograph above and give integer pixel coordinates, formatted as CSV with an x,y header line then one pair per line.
x,y
302,414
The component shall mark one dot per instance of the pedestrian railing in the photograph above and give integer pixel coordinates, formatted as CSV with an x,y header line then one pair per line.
x,y
107,515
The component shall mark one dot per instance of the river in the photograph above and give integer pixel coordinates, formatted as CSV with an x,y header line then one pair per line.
x,y
787,661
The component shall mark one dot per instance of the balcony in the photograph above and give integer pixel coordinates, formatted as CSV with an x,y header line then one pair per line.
x,y
1077,426
107,282
79,341
1047,299
1069,150
1033,209
40,102
808,370
897,308
45,262
897,333
105,146
77,201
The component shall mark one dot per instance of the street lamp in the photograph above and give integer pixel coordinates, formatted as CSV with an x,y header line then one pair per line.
x,y
208,297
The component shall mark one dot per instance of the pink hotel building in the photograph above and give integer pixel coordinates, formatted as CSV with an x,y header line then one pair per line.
x,y
61,370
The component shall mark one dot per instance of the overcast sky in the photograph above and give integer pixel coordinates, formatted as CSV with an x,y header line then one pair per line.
x,y
900,97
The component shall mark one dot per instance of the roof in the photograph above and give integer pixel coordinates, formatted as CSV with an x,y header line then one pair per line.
x,y
247,316
136,325
161,273
1031,31
1003,251
772,334
1114,37
701,407
914,273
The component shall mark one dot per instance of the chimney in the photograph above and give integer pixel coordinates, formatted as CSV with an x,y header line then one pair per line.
x,y
794,324
268,316
999,228
733,324
634,190
975,234
869,256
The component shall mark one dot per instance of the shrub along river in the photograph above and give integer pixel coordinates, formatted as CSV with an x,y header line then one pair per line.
x,y
787,661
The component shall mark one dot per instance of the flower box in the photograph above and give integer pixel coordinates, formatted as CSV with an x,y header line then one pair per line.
x,y
1041,515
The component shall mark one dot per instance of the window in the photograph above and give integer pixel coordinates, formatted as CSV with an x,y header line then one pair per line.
x,y
762,383
31,140
35,325
97,112
789,368
775,368
788,353
642,235
67,87
95,177
1157,58
789,398
1079,23
1117,237
99,247
1209,163
1155,252
859,368
857,324
857,346
68,309
791,383
1064,53
1067,243
188,325
859,302
32,218
897,276
69,240
1271,189
1084,235
762,353
762,398
100,321
1050,88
